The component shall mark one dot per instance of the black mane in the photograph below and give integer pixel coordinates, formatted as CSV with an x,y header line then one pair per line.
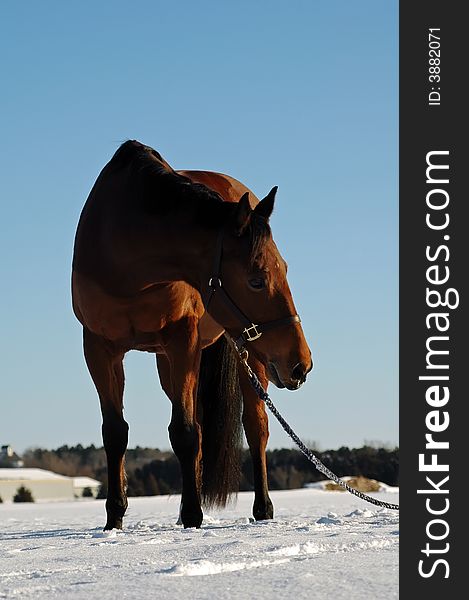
x,y
163,191
259,233
132,150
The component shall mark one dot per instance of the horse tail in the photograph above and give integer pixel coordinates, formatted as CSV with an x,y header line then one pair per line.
x,y
219,396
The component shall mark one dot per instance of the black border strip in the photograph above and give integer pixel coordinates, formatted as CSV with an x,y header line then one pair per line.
x,y
432,123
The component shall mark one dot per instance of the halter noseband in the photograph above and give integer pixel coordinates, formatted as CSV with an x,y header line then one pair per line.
x,y
251,331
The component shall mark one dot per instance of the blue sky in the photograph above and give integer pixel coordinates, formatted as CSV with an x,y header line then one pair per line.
x,y
302,95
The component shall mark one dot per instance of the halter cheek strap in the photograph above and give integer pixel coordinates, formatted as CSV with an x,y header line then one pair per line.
x,y
251,331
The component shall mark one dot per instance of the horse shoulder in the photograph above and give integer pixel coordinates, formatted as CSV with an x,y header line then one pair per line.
x,y
129,318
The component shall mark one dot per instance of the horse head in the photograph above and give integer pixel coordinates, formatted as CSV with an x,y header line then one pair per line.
x,y
253,301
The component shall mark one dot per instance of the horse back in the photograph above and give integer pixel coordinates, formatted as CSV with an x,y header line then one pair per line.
x,y
229,188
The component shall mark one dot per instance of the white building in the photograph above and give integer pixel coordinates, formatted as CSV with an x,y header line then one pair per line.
x,y
9,458
82,483
44,485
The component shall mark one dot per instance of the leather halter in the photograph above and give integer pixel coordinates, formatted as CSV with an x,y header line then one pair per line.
x,y
251,331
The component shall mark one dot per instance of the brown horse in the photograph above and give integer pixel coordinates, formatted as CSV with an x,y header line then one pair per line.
x,y
183,264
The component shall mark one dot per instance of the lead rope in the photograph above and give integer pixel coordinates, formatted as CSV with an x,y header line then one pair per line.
x,y
263,395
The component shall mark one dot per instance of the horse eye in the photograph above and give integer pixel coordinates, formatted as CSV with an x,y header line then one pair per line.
x,y
257,283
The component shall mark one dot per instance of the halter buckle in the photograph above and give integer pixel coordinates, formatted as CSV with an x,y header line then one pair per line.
x,y
255,334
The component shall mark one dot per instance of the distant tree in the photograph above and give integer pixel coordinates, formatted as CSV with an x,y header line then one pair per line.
x,y
151,486
151,471
23,495
134,484
87,493
165,489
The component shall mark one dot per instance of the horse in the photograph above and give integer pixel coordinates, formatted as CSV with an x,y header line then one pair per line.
x,y
182,264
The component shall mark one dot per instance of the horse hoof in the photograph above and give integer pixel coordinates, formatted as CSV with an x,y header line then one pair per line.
x,y
263,513
192,523
114,524
115,511
192,520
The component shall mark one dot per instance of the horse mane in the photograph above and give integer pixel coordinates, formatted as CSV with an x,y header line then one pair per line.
x,y
163,191
259,233
132,150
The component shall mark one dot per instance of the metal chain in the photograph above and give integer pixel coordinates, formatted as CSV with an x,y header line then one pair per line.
x,y
263,395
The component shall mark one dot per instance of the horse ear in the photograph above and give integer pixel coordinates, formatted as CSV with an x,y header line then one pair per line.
x,y
243,213
266,206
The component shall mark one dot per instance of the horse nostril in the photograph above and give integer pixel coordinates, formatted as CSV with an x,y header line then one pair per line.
x,y
299,372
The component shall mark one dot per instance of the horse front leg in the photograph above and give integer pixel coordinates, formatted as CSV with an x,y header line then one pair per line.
x,y
256,428
181,366
105,366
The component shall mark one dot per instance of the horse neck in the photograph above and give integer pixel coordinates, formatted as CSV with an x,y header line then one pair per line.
x,y
189,253
192,256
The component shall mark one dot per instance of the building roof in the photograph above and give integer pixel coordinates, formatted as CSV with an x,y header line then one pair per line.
x,y
20,474
16,474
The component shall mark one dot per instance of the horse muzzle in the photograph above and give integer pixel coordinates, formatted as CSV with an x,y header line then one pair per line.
x,y
296,378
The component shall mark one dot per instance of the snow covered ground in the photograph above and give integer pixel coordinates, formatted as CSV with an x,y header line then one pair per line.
x,y
320,545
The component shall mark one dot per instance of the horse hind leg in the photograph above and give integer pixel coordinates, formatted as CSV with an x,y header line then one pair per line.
x,y
106,369
256,428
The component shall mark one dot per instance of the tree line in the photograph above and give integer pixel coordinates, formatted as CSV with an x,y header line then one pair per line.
x,y
152,472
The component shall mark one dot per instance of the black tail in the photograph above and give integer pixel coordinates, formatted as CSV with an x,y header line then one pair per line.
x,y
219,396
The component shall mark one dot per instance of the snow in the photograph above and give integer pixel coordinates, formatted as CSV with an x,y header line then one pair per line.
x,y
320,545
